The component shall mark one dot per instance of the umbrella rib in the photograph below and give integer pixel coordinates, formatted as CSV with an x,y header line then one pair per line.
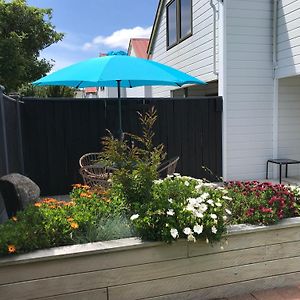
x,y
78,85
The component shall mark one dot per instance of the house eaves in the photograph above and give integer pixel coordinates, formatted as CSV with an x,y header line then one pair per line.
x,y
155,25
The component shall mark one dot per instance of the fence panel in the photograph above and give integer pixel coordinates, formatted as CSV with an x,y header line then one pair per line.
x,y
11,152
58,132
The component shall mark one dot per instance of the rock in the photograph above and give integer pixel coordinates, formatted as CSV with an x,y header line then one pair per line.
x,y
18,191
3,213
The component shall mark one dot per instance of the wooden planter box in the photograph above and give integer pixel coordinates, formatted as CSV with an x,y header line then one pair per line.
x,y
255,258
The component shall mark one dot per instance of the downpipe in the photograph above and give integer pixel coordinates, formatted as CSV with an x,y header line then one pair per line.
x,y
213,6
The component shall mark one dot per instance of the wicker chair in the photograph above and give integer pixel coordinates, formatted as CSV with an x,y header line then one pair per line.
x,y
88,159
168,167
96,175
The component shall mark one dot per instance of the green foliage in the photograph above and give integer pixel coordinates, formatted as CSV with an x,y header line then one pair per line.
x,y
24,31
28,90
182,207
136,160
51,223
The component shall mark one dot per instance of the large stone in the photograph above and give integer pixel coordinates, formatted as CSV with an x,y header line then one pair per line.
x,y
3,213
18,191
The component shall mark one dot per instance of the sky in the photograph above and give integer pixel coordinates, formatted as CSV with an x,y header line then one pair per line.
x,y
95,26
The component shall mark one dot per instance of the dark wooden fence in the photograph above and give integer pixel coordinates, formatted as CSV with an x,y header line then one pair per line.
x,y
56,133
11,153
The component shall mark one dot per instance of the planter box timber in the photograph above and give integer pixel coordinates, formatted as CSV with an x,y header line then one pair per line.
x,y
256,257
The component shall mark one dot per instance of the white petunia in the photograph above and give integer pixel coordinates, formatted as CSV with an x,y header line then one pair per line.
x,y
214,229
228,211
207,240
204,195
198,228
219,204
174,233
227,198
176,174
191,238
170,200
187,231
186,183
225,218
170,212
213,216
157,181
210,202
133,217
198,214
203,207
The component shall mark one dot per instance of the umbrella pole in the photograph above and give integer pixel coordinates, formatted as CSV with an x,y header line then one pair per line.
x,y
120,131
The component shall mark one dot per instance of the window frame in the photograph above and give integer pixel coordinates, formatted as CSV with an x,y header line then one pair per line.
x,y
178,23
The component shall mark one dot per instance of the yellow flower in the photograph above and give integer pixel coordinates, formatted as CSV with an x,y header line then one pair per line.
x,y
38,204
15,219
11,248
74,225
70,219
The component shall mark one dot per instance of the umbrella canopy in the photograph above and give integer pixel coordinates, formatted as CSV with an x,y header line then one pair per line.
x,y
117,71
107,71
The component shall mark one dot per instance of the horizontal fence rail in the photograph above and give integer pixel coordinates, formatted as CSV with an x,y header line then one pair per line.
x,y
56,133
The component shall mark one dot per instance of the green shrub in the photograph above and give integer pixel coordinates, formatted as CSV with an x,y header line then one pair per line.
x,y
136,160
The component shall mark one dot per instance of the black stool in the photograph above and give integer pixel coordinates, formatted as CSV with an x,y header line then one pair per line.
x,y
280,162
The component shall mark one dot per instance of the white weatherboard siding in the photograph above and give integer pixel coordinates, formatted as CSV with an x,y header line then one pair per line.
x,y
289,120
249,88
288,44
193,55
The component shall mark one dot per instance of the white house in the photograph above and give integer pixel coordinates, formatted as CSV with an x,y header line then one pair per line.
x,y
248,51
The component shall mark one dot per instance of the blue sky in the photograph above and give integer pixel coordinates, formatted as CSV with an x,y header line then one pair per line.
x,y
94,26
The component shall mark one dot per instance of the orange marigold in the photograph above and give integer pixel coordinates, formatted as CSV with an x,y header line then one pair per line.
x,y
76,185
38,204
11,248
70,219
71,203
74,225
85,195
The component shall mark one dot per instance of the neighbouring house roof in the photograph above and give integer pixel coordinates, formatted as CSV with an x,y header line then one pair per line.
x,y
155,25
139,45
91,90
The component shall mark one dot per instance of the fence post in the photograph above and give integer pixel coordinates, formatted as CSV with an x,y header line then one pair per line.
x,y
20,138
3,130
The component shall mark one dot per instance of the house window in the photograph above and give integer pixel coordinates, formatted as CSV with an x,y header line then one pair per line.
x,y
179,21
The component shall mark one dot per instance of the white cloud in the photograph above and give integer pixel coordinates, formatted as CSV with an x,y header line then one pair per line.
x,y
119,38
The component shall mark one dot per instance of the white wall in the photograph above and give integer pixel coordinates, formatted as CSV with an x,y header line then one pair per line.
x,y
249,88
193,55
288,45
289,121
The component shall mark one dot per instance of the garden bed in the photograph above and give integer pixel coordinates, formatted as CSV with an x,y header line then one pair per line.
x,y
256,257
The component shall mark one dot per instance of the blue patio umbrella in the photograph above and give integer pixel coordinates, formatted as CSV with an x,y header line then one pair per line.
x,y
117,71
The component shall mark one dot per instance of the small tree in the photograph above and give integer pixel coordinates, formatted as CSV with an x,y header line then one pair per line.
x,y
28,90
136,160
24,32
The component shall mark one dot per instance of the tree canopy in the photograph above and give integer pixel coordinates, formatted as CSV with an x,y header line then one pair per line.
x,y
24,31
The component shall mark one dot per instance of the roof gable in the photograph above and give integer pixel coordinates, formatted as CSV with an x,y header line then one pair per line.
x,y
155,25
139,46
